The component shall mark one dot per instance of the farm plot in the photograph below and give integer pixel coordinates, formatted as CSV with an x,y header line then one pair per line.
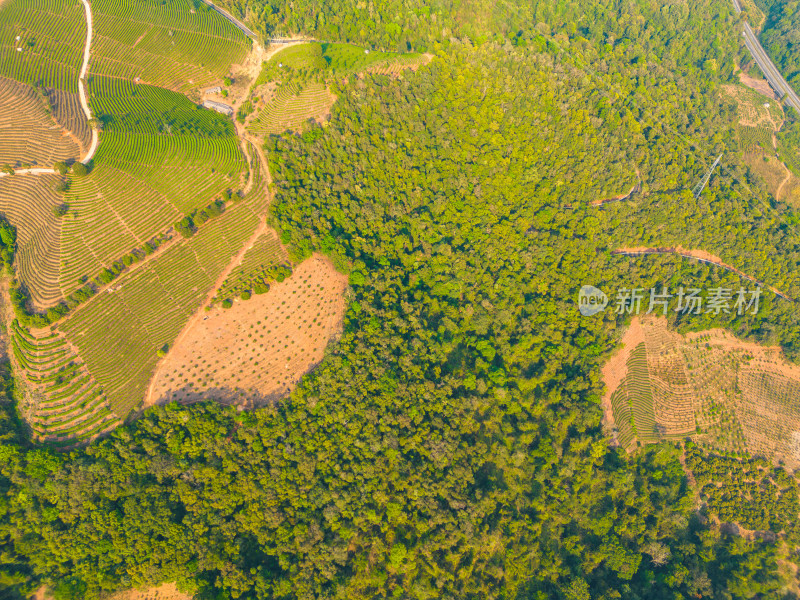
x,y
176,44
257,350
294,83
41,42
292,107
161,158
65,405
728,395
261,258
119,333
29,130
753,139
753,109
28,202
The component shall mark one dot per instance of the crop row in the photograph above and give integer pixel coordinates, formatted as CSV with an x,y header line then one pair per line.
x,y
70,406
119,333
50,45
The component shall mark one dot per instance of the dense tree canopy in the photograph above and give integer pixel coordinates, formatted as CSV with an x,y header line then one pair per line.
x,y
450,444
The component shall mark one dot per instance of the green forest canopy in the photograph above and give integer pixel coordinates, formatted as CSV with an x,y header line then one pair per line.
x,y
450,444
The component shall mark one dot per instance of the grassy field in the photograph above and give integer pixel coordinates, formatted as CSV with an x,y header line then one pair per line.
x,y
66,403
176,44
41,42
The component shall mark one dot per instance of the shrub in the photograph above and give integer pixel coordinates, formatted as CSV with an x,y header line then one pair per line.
x,y
7,169
60,167
61,186
61,209
80,170
245,295
161,352
106,276
261,288
226,303
186,227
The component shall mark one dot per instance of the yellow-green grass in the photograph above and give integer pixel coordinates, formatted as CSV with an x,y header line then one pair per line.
x,y
49,51
176,44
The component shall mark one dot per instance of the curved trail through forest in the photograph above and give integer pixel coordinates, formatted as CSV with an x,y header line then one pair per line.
x,y
699,255
87,111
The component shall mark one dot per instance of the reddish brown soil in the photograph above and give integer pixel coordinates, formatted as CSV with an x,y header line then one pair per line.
x,y
256,351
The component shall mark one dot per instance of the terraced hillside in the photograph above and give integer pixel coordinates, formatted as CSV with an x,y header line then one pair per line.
x,y
29,202
161,157
264,262
39,127
177,44
41,42
119,333
727,395
65,405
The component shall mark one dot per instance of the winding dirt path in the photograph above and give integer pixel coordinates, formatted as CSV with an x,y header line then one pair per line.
x,y
785,180
700,255
87,111
82,81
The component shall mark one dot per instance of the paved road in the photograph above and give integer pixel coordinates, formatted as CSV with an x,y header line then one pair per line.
x,y
242,27
771,72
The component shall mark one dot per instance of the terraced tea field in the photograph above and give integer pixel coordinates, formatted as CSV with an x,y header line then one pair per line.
x,y
257,350
28,203
753,139
65,405
35,126
119,332
41,42
728,395
263,255
175,44
291,108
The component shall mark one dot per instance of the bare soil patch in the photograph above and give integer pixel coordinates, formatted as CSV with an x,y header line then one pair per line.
x,y
256,351
758,84
167,591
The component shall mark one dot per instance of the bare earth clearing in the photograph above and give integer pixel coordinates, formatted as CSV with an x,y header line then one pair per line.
x,y
758,84
257,351
167,591
725,393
